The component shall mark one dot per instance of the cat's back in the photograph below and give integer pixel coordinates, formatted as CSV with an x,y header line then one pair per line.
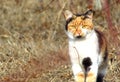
x,y
102,41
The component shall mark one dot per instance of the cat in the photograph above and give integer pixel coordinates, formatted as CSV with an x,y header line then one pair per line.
x,y
87,47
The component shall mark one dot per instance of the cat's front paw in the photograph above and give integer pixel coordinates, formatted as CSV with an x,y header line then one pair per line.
x,y
91,77
79,77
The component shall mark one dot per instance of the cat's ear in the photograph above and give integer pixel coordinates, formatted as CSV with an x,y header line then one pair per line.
x,y
90,13
68,14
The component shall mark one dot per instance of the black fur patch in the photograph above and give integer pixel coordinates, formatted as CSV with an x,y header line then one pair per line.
x,y
89,12
86,63
100,78
106,54
67,22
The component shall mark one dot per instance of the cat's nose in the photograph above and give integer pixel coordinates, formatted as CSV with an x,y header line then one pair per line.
x,y
78,36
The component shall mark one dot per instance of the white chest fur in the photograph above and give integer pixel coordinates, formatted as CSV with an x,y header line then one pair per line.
x,y
84,48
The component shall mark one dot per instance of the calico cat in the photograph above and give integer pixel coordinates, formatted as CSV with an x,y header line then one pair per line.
x,y
87,47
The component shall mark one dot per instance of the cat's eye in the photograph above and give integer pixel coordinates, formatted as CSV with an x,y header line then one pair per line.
x,y
83,27
82,17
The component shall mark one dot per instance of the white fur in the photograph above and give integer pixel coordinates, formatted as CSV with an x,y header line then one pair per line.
x,y
82,48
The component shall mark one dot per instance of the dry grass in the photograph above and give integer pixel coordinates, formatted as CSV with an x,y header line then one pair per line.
x,y
33,43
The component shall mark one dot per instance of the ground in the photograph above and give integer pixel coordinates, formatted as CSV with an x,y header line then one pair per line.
x,y
33,44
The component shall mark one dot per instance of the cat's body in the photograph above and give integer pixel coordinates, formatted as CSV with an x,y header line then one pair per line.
x,y
87,48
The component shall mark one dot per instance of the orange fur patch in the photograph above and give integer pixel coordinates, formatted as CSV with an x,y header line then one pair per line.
x,y
90,74
90,77
75,24
80,77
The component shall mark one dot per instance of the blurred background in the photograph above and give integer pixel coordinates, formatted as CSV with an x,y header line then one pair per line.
x,y
33,43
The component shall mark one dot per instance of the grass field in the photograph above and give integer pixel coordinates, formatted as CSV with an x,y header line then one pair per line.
x,y
33,44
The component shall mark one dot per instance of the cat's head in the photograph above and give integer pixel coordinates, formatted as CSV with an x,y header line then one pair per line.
x,y
79,25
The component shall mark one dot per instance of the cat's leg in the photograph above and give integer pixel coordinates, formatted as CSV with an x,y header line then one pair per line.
x,y
91,75
78,74
76,67
100,78
101,74
102,71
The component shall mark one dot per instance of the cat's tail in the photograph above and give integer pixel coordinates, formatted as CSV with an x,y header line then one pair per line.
x,y
87,63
